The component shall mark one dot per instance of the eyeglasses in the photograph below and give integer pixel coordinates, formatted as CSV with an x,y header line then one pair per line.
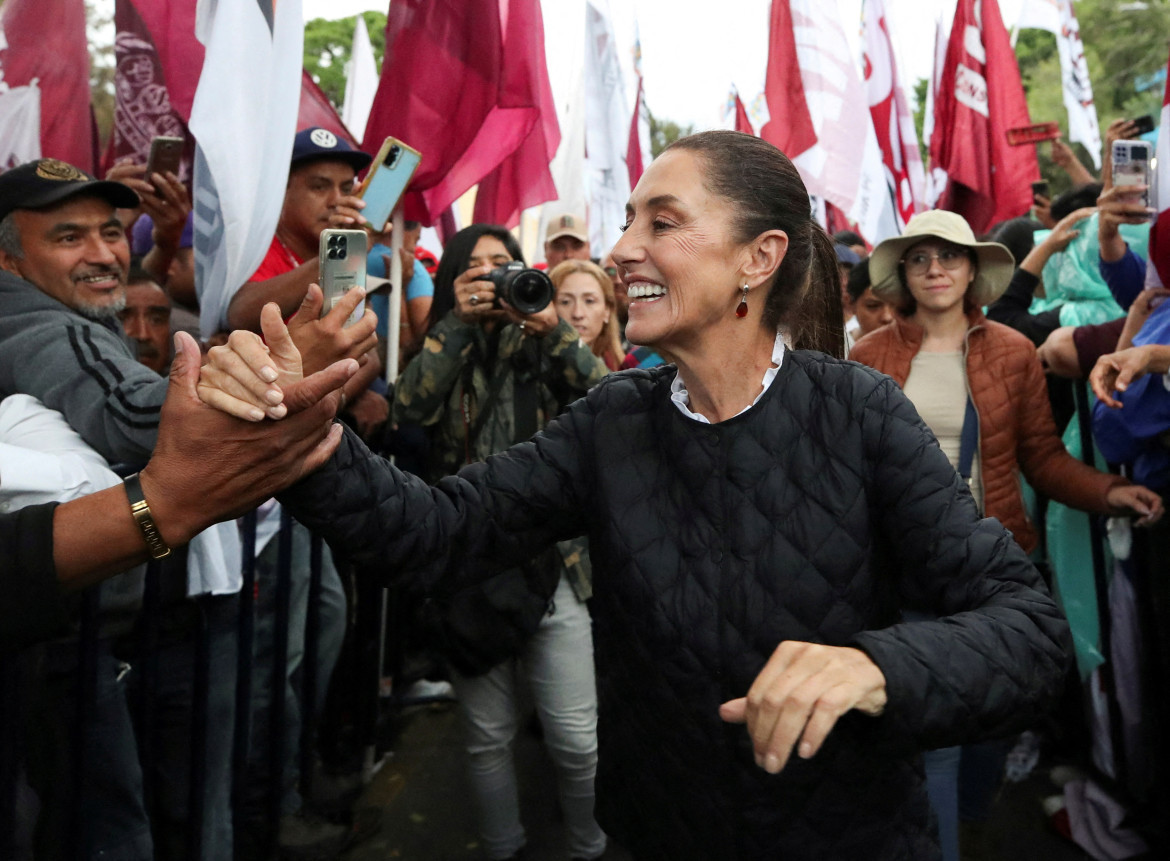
x,y
919,262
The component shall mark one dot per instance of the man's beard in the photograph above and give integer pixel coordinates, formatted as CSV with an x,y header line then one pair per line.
x,y
101,313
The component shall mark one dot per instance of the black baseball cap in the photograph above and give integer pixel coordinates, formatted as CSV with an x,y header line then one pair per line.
x,y
318,143
41,183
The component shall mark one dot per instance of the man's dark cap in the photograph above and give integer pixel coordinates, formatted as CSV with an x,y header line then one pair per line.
x,y
318,143
41,183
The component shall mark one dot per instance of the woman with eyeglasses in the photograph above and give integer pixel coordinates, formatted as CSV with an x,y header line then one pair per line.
x,y
980,388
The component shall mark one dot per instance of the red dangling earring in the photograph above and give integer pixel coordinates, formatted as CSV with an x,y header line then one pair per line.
x,y
741,309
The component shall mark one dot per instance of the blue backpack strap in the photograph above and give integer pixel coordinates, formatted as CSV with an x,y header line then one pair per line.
x,y
968,441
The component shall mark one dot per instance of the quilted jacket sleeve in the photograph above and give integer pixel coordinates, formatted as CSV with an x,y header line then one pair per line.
x,y
1046,463
491,516
996,656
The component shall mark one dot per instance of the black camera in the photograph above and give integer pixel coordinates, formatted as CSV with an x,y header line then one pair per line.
x,y
529,291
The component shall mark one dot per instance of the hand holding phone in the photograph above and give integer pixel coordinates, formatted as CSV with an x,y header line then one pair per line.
x,y
341,265
1132,166
166,154
386,181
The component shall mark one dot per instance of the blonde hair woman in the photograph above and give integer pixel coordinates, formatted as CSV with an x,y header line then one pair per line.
x,y
586,299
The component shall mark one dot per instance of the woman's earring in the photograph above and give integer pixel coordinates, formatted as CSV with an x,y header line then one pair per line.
x,y
741,309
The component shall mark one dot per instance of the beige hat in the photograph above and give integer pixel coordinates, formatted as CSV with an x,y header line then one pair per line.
x,y
995,266
567,225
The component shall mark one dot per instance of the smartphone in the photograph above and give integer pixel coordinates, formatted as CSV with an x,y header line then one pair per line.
x,y
1132,165
1040,189
341,266
386,180
165,155
1033,134
1144,125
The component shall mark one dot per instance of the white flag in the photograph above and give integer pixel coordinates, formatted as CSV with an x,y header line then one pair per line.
x,y
20,124
607,130
361,82
244,128
845,165
1058,18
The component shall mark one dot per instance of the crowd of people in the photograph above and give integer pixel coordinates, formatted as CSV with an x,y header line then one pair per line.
x,y
765,524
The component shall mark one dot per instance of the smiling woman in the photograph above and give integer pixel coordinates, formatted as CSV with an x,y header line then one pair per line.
x,y
759,516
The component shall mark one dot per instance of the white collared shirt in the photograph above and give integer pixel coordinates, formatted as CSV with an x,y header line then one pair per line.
x,y
678,388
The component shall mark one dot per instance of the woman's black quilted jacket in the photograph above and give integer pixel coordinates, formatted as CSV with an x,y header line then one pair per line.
x,y
817,515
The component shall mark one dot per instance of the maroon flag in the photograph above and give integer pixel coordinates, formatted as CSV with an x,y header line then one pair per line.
x,y
444,91
317,110
1158,272
171,28
790,127
980,97
523,178
742,122
43,48
142,101
634,149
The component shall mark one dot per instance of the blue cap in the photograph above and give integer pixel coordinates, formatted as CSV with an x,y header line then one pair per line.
x,y
318,143
846,255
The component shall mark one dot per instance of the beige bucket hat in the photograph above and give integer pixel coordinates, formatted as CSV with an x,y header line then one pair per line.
x,y
996,263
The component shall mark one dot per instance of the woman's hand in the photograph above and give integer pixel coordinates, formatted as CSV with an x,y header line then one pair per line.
x,y
1135,499
801,692
1115,371
475,299
538,324
248,376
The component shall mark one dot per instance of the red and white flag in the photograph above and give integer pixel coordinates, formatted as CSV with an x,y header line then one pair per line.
x,y
737,115
607,129
1058,18
980,97
1158,270
893,121
819,115
245,138
44,78
936,177
637,149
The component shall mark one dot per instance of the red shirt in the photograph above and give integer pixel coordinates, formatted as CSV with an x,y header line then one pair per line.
x,y
277,261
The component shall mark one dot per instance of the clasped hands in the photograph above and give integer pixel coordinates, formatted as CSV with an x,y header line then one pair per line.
x,y
248,376
800,694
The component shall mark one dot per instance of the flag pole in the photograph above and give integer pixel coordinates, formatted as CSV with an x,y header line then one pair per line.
x,y
395,321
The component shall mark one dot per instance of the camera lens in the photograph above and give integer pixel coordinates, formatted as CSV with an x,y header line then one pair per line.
x,y
393,156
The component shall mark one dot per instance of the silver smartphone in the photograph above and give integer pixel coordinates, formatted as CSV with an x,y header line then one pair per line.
x,y
341,263
1133,164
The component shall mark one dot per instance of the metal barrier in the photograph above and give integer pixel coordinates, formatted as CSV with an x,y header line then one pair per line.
x,y
16,681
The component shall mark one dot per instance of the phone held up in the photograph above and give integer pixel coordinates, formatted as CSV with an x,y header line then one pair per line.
x,y
386,181
166,153
1133,164
1143,125
341,267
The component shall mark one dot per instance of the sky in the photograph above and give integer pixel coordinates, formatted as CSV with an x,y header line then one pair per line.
x,y
691,57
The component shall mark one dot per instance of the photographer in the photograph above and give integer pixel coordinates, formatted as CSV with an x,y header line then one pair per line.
x,y
487,378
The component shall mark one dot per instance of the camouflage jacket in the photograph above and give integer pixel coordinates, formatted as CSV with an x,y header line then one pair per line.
x,y
446,384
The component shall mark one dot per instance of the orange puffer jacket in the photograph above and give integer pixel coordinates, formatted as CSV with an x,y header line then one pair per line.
x,y
1006,382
